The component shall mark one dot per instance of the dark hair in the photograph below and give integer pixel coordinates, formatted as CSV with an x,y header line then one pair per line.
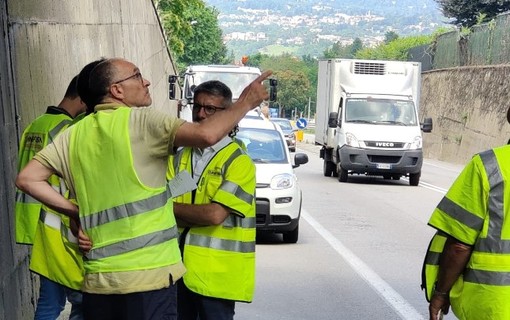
x,y
218,89
100,79
215,88
83,84
72,91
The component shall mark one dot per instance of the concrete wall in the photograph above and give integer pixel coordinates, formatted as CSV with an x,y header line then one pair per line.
x,y
44,44
53,40
468,106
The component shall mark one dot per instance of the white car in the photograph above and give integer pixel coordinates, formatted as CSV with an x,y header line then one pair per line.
x,y
278,195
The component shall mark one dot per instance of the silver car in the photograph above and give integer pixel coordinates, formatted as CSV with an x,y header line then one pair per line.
x,y
289,132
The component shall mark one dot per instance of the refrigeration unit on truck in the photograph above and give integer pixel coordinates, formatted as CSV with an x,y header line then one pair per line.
x,y
235,77
367,118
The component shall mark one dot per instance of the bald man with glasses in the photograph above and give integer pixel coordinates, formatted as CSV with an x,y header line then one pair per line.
x,y
114,162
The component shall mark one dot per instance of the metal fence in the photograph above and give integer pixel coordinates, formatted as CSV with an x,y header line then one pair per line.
x,y
484,44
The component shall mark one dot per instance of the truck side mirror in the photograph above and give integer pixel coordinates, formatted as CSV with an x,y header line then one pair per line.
x,y
332,120
273,83
172,80
426,126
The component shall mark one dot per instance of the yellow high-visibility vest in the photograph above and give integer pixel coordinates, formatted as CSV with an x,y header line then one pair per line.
x,y
476,211
131,225
220,260
35,137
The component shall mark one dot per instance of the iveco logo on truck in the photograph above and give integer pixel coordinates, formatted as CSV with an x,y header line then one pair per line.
x,y
385,144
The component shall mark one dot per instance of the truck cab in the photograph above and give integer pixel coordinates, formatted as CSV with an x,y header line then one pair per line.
x,y
235,77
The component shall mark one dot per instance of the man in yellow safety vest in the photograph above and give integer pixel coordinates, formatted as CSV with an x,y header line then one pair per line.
x,y
218,218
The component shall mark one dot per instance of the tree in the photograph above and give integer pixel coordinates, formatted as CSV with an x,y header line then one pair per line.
x,y
205,43
466,13
175,25
192,31
390,36
397,49
338,50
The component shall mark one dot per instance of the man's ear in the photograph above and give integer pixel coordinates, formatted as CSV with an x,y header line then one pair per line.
x,y
117,91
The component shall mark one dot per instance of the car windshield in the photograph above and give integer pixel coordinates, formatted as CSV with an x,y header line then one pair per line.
x,y
263,146
234,80
381,111
284,124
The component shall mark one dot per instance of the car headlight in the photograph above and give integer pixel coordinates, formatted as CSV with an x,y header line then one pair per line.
x,y
351,140
416,144
282,181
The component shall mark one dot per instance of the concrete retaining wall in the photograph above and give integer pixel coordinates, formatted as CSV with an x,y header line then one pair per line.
x,y
468,106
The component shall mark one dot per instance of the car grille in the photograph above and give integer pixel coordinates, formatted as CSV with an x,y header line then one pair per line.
x,y
262,210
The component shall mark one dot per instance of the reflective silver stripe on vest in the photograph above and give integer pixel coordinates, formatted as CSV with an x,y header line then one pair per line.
x,y
24,198
237,191
432,258
220,244
177,160
460,214
493,243
126,210
229,161
128,245
235,221
231,187
54,221
56,130
495,278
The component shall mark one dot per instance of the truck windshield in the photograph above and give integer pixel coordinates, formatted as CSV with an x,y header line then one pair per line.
x,y
235,81
381,111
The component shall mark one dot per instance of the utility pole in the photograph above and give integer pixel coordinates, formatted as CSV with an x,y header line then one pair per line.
x,y
309,102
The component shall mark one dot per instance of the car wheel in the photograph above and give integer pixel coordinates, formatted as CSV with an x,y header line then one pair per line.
x,y
342,175
329,168
291,236
414,179
292,149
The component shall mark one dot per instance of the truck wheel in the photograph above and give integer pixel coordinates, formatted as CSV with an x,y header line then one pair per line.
x,y
329,168
342,174
414,178
291,236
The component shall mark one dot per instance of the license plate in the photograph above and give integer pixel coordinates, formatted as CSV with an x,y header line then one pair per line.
x,y
385,166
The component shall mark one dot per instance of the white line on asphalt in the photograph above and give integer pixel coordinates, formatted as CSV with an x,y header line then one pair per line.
x,y
431,187
396,301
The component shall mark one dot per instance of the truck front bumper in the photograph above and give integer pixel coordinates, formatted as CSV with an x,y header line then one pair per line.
x,y
380,162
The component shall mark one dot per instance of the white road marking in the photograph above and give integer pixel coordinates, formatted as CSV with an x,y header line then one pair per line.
x,y
395,300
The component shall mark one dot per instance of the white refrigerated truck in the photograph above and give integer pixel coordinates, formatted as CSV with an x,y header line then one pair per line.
x,y
367,118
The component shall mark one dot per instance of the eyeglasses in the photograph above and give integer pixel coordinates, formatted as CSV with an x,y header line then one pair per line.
x,y
209,110
137,76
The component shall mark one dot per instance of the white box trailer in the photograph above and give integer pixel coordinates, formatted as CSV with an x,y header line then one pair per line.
x,y
367,118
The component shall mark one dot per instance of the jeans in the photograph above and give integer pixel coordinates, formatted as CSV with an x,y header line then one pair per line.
x,y
52,300
75,299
